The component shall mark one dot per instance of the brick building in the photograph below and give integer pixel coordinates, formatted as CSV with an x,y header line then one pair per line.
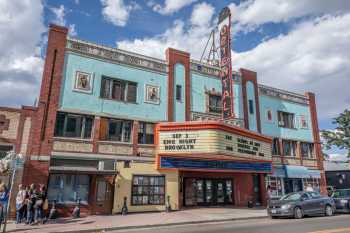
x,y
114,127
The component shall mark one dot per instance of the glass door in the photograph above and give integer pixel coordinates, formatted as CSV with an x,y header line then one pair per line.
x,y
200,192
208,192
220,192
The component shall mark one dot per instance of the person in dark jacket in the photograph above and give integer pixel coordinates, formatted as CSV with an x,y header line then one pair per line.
x,y
39,203
31,198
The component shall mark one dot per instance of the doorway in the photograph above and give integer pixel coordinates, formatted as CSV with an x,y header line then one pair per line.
x,y
208,192
104,196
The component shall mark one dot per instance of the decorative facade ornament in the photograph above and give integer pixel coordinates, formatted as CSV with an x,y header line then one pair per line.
x,y
4,123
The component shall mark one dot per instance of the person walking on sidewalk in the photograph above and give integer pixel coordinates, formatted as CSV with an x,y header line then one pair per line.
x,y
31,198
4,197
39,203
20,199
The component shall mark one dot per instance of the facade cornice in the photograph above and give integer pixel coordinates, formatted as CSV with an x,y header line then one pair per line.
x,y
283,94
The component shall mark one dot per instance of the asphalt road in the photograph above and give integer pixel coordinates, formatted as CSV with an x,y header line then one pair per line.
x,y
334,224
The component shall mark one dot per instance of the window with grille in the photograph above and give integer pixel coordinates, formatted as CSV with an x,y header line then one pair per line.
x,y
148,190
289,148
215,103
119,90
286,120
307,149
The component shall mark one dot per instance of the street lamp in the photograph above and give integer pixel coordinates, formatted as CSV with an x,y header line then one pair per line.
x,y
9,164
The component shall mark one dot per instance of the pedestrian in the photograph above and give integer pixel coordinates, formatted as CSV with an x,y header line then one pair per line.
x,y
268,194
4,196
31,198
309,188
39,204
20,200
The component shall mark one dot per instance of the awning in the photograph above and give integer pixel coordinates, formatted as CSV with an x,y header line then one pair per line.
x,y
278,172
296,171
315,174
293,171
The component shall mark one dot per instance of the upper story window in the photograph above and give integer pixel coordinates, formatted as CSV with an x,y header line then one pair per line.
x,y
268,113
303,122
215,103
286,120
289,148
251,106
276,147
307,149
119,130
4,149
146,133
178,92
73,125
119,90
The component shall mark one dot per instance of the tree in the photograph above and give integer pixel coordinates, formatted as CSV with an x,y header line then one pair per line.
x,y
340,136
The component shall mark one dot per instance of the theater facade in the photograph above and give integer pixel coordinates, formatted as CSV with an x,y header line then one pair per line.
x,y
116,129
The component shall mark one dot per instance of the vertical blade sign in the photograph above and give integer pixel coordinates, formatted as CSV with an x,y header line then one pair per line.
x,y
224,26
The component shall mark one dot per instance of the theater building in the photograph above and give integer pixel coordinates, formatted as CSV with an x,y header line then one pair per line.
x,y
114,128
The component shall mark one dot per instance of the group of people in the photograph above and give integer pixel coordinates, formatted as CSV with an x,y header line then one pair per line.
x,y
31,202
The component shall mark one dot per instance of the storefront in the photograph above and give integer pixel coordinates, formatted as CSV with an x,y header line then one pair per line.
x,y
289,178
217,164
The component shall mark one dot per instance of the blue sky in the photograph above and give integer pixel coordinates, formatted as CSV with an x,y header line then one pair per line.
x,y
295,45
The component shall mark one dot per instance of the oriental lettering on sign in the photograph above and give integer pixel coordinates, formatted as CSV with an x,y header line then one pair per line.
x,y
225,63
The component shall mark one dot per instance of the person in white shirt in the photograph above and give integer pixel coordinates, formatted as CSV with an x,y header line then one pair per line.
x,y
309,188
20,198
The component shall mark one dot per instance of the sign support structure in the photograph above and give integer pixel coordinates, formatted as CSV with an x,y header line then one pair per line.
x,y
224,26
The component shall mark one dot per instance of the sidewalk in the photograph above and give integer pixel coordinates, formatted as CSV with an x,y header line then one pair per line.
x,y
138,220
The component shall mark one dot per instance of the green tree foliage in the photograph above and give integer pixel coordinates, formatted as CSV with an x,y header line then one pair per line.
x,y
340,136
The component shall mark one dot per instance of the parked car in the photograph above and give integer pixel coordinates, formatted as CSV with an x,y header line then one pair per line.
x,y
299,204
342,200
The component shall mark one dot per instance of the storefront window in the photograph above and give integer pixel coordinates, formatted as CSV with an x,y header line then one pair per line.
x,y
67,188
313,182
148,190
275,184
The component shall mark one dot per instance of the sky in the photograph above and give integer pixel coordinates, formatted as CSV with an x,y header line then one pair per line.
x,y
300,46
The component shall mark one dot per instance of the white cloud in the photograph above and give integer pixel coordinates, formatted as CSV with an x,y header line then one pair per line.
x,y
314,56
116,12
252,13
200,14
192,38
338,157
20,61
60,19
170,6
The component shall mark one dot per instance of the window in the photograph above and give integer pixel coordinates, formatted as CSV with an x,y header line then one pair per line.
x,y
251,107
289,148
215,103
276,147
68,188
303,122
119,90
148,190
119,130
178,92
314,182
4,149
73,126
275,184
307,149
269,115
286,120
146,133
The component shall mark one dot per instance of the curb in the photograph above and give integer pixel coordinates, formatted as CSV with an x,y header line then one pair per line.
x,y
159,225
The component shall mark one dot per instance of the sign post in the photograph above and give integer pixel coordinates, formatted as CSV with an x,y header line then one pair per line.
x,y
224,26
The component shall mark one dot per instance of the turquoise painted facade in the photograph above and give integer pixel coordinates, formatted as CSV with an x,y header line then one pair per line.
x,y
92,103
251,98
71,100
179,105
201,83
272,128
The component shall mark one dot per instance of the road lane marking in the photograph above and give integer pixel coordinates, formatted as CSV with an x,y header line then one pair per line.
x,y
334,230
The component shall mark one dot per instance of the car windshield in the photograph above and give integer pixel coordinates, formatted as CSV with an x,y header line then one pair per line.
x,y
291,197
341,193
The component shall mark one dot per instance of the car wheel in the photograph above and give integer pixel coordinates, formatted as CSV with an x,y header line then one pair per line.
x,y
328,210
298,213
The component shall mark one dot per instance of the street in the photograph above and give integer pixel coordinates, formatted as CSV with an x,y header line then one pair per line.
x,y
334,224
